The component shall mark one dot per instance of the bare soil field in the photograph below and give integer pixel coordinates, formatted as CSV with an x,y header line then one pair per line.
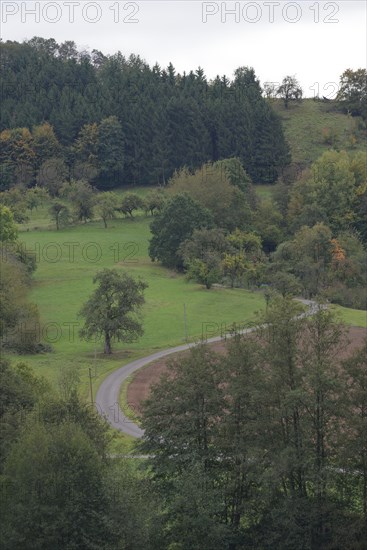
x,y
139,388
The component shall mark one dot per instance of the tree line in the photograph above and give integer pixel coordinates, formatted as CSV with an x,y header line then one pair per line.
x,y
19,318
124,121
265,446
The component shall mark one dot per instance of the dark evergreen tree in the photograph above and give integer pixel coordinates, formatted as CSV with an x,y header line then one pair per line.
x,y
110,153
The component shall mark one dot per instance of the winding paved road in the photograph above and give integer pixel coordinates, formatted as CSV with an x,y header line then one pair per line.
x,y
107,398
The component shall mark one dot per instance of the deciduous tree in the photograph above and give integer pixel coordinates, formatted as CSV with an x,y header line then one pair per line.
x,y
8,229
59,212
110,152
234,266
82,196
353,92
154,202
180,216
129,203
289,90
61,490
113,309
107,203
211,187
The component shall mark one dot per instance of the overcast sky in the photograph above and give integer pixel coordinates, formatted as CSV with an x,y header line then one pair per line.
x,y
316,41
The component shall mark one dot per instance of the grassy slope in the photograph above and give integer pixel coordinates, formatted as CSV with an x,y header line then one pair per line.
x,y
62,286
303,125
354,317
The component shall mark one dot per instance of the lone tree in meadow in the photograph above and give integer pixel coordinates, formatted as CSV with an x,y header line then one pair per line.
x,y
113,310
289,90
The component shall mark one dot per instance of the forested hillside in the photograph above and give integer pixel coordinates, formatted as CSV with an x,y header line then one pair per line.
x,y
161,120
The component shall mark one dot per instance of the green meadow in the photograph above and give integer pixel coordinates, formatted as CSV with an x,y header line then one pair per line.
x,y
68,259
354,317
305,122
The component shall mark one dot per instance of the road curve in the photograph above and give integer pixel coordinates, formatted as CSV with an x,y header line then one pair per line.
x,y
107,398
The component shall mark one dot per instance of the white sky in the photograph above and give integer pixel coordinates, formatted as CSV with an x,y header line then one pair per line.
x,y
324,39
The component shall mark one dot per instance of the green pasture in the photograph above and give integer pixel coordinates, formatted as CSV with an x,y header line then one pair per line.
x,y
39,218
354,317
68,259
304,123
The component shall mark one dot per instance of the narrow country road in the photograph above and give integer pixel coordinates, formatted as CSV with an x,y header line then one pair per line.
x,y
107,398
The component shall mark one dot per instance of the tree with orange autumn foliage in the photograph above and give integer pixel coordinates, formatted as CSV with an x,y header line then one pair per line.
x,y
337,252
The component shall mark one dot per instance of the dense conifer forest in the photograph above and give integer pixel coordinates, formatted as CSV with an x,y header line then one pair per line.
x,y
100,106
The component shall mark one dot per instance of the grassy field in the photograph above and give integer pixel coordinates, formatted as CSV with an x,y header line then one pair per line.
x,y
354,317
68,259
40,218
304,124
